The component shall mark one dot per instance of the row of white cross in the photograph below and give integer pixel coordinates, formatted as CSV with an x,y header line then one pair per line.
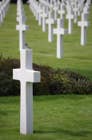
x,y
46,12
25,74
4,5
53,11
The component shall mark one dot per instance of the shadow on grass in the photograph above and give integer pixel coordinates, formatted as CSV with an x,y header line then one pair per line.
x,y
65,132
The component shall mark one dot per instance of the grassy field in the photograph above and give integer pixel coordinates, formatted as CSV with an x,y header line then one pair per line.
x,y
55,118
76,57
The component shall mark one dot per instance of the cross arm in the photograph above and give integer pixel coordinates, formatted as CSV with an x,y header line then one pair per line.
x,y
85,23
26,75
60,31
22,27
50,21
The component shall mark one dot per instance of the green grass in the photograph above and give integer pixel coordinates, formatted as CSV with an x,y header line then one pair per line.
x,y
55,118
76,57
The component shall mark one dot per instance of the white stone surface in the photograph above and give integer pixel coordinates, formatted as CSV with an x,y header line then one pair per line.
x,y
21,28
83,24
26,75
55,12
4,5
44,16
61,11
60,31
50,22
39,15
70,17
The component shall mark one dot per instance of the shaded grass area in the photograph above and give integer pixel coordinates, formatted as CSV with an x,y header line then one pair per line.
x,y
76,57
55,118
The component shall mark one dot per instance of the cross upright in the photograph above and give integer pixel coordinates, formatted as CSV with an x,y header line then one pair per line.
x,y
60,31
21,27
50,22
39,14
44,16
75,14
1,13
61,11
70,17
3,8
27,76
86,10
83,24
36,5
55,8
75,10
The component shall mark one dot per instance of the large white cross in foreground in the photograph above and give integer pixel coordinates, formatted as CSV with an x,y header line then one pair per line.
x,y
27,76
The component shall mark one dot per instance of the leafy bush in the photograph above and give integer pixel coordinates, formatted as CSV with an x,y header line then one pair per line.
x,y
62,82
7,85
52,81
66,81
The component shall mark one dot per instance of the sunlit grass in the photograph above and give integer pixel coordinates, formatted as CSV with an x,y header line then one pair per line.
x,y
55,118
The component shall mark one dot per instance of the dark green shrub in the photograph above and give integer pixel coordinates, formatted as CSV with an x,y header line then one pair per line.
x,y
66,81
52,81
46,76
7,85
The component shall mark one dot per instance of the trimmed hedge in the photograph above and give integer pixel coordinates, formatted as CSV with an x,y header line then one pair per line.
x,y
62,81
52,81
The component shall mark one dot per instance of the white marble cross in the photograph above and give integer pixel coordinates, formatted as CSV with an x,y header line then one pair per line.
x,y
55,8
44,16
83,24
1,13
86,9
27,76
75,10
69,16
60,31
50,22
21,27
4,5
75,14
61,11
37,10
39,15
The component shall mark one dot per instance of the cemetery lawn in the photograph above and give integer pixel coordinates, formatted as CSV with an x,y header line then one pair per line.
x,y
76,57
55,118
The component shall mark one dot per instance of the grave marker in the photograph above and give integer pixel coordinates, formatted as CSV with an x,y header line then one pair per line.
x,y
69,16
61,11
50,22
60,31
83,24
44,16
21,27
26,75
